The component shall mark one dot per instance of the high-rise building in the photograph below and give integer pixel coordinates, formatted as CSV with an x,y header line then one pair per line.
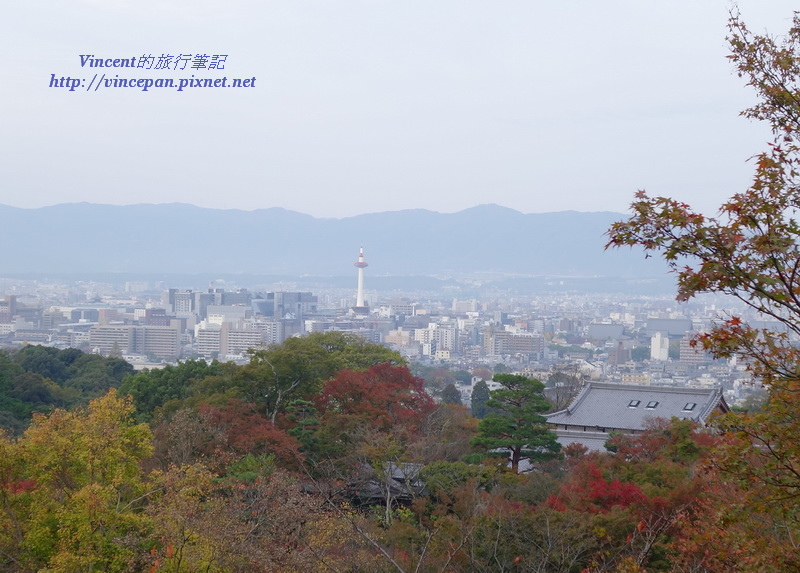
x,y
238,339
160,341
183,302
691,354
281,304
208,338
8,308
659,346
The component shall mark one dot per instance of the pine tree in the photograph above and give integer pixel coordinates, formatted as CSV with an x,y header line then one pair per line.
x,y
515,423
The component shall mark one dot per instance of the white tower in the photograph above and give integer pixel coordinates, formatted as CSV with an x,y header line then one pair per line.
x,y
360,264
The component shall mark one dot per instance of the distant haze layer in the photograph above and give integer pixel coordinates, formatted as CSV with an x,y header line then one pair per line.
x,y
180,238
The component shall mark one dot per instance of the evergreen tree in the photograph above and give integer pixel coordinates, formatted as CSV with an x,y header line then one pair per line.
x,y
516,425
451,395
480,397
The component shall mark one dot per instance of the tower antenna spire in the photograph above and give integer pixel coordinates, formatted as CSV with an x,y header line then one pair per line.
x,y
360,307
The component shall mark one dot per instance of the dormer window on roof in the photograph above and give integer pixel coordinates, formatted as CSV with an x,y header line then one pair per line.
x,y
634,404
651,405
689,406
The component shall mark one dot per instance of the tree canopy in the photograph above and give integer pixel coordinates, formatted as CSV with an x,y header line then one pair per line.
x,y
480,399
515,424
274,376
749,251
38,379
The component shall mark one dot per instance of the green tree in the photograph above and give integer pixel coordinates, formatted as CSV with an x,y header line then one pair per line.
x,y
93,375
640,353
24,389
515,426
116,351
298,367
279,375
451,395
152,389
349,351
305,418
674,352
480,398
463,376
42,360
443,478
12,398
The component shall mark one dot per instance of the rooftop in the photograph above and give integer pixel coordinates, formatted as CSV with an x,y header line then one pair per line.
x,y
628,406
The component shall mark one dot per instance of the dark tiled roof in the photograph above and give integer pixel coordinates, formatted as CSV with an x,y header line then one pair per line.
x,y
593,441
400,480
609,406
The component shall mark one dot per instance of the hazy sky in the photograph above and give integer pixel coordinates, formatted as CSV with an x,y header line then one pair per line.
x,y
365,106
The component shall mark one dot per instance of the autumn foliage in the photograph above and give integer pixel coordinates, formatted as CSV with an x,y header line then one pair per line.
x,y
746,519
589,491
217,486
383,397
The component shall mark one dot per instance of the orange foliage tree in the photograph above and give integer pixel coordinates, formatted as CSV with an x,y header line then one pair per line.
x,y
749,251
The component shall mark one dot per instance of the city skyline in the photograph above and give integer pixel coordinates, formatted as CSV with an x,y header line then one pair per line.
x,y
643,340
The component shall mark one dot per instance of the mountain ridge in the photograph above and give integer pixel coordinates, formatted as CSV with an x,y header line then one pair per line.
x,y
184,238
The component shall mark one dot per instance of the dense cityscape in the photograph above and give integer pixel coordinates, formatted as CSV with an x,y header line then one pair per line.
x,y
601,337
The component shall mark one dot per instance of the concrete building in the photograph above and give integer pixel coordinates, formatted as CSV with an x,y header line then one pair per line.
x,y
285,305
272,331
659,346
446,336
160,341
183,302
500,342
399,337
208,339
691,354
8,308
398,307
237,340
219,314
106,337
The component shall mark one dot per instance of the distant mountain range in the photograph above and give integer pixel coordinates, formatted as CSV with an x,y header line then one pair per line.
x,y
485,241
